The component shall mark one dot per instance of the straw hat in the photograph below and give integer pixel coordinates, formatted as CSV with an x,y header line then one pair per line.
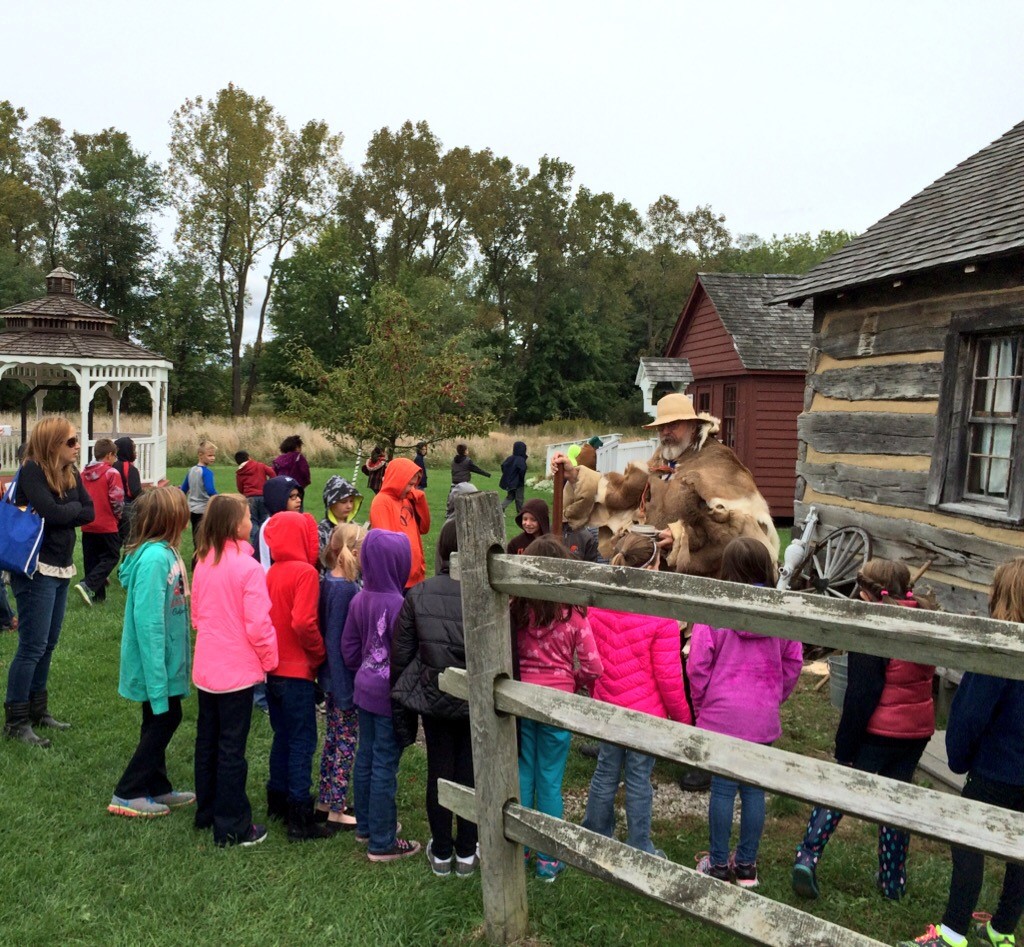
x,y
674,407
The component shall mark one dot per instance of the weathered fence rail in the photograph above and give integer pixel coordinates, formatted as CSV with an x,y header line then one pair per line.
x,y
488,577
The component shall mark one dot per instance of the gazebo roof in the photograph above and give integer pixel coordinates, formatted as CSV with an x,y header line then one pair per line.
x,y
61,326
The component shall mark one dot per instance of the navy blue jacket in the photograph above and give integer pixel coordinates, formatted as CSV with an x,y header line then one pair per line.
x,y
513,468
985,735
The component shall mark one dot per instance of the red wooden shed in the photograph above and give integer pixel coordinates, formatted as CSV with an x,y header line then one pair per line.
x,y
748,361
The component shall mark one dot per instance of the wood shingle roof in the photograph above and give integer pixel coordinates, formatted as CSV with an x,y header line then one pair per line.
x,y
973,212
767,338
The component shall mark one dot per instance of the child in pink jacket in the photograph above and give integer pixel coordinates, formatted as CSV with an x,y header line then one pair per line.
x,y
643,671
549,636
235,647
738,680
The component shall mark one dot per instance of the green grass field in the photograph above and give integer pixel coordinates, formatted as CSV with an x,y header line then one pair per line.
x,y
74,875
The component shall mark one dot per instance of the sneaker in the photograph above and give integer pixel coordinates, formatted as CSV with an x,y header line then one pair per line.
x,y
984,932
143,807
256,834
464,867
549,870
88,595
704,866
805,881
744,875
933,937
365,839
175,800
403,848
442,867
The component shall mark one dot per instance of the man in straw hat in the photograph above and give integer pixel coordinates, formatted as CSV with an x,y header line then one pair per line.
x,y
694,490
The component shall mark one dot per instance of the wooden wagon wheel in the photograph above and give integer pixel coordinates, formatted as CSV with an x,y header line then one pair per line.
x,y
833,566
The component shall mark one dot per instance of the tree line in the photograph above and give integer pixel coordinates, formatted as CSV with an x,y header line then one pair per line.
x,y
427,279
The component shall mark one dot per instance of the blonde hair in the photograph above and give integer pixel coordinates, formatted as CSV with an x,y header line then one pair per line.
x,y
1006,600
44,446
205,447
342,549
160,514
634,550
219,525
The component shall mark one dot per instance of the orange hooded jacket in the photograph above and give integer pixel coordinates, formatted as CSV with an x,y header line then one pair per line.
x,y
409,514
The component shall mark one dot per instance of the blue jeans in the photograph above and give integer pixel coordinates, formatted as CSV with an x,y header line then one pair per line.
x,y
375,781
723,795
543,752
293,720
600,815
258,515
41,603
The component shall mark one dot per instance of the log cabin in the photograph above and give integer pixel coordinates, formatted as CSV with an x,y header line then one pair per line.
x,y
912,417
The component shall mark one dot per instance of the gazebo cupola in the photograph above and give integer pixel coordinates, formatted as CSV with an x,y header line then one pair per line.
x,y
58,341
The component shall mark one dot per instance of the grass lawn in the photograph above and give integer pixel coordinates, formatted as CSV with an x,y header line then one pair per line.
x,y
72,874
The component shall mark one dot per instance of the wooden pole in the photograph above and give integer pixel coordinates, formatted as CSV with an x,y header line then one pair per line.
x,y
556,502
480,526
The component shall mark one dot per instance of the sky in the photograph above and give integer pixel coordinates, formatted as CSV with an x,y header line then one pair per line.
x,y
785,117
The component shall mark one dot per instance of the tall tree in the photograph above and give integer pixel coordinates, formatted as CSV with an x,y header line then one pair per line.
x,y
403,386
791,253
19,200
246,187
53,159
111,210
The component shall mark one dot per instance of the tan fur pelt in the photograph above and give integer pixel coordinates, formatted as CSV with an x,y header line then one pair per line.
x,y
623,491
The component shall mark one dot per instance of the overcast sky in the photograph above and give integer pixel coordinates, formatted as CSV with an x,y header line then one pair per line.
x,y
784,116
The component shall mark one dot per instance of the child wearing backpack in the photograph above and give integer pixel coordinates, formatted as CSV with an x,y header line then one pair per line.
x,y
131,483
556,649
738,681
155,651
888,716
235,647
101,539
642,671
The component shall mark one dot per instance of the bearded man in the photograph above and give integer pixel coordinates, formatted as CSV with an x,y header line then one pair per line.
x,y
694,491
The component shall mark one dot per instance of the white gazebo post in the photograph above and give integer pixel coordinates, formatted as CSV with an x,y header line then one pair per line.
x,y
115,389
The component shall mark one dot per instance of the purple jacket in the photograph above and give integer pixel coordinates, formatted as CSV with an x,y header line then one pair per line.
x,y
385,559
293,464
739,679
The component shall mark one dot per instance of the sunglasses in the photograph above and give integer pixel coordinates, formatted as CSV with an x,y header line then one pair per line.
x,y
72,442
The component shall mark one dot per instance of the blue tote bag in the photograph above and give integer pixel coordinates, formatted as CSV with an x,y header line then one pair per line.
x,y
21,533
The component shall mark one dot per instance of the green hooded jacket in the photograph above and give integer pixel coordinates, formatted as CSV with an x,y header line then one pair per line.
x,y
156,651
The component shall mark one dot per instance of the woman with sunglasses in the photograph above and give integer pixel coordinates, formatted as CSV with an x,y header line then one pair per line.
x,y
49,482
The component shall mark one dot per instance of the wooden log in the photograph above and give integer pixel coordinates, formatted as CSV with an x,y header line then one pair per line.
x,y
729,907
480,526
864,332
867,432
961,822
899,488
977,644
906,382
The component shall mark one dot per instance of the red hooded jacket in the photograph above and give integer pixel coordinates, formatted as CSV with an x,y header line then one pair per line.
x,y
294,587
409,514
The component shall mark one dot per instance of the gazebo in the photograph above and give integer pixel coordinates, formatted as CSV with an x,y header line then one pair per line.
x,y
59,342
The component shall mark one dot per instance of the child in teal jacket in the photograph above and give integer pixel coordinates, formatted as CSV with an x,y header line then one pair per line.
x,y
155,650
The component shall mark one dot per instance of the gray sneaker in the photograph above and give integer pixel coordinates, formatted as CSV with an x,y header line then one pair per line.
x,y
442,867
142,807
175,800
464,867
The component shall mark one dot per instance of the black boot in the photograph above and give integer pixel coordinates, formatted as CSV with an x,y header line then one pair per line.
x,y
40,716
277,805
301,824
694,780
17,725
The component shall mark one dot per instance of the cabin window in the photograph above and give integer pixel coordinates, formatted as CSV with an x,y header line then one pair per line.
x,y
978,465
704,402
729,417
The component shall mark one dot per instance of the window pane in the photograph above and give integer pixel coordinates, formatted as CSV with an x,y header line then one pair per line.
x,y
983,392
1002,440
998,478
977,475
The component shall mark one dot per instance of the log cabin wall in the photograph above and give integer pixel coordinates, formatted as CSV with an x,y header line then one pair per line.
x,y
868,429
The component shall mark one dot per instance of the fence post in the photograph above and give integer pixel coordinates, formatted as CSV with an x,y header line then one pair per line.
x,y
480,526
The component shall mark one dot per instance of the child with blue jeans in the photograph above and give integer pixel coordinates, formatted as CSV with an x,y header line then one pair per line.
x,y
738,681
556,649
385,558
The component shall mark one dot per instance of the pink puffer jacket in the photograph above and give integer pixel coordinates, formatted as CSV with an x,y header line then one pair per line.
x,y
643,669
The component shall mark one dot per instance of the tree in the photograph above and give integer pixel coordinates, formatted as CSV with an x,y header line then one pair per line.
x,y
19,200
246,187
53,158
401,387
791,253
111,238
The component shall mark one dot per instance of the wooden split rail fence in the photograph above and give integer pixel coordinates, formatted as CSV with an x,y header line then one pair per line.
x,y
488,578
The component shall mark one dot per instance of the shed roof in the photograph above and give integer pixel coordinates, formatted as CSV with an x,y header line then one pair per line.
x,y
667,369
973,212
767,338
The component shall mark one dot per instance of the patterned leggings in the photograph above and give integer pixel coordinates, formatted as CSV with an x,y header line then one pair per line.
x,y
338,755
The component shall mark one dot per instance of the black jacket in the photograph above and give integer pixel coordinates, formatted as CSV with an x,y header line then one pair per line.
x,y
463,467
428,639
61,513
